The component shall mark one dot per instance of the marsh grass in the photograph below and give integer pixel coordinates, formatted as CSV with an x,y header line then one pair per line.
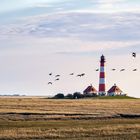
x,y
33,122
37,105
71,129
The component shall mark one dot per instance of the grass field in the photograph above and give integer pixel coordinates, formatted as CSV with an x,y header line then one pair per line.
x,y
85,119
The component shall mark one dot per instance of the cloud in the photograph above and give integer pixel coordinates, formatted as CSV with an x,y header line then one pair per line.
x,y
33,46
88,27
34,7
72,33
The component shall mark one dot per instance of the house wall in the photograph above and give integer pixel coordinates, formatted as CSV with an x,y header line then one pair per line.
x,y
116,94
111,94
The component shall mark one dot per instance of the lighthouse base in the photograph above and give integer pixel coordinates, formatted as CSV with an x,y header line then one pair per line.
x,y
102,93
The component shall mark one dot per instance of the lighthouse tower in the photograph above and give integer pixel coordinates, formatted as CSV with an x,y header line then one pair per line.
x,y
102,77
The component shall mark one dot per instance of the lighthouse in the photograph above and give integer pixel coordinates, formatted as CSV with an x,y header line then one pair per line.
x,y
101,91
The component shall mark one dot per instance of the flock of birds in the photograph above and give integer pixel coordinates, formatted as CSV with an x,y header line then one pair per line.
x,y
57,77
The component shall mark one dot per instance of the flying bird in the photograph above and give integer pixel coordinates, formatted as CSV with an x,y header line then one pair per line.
x,y
134,54
83,74
57,75
71,73
122,70
49,83
57,79
97,69
50,74
134,69
113,69
79,75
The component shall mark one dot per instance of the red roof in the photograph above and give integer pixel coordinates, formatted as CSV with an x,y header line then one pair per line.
x,y
90,89
115,89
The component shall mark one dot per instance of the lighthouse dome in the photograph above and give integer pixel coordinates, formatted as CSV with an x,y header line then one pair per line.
x,y
102,58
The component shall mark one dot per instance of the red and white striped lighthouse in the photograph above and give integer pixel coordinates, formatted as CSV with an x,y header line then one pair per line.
x,y
102,77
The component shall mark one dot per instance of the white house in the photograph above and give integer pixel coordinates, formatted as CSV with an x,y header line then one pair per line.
x,y
90,90
115,91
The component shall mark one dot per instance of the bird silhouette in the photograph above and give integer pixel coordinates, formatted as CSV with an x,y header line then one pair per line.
x,y
83,74
122,70
134,54
113,69
57,79
50,74
71,73
49,83
134,69
79,75
97,70
57,75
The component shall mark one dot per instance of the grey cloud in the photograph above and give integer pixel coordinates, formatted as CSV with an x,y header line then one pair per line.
x,y
41,8
85,26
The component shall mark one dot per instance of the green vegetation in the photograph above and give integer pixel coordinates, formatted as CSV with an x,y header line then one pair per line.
x,y
114,97
78,95
59,96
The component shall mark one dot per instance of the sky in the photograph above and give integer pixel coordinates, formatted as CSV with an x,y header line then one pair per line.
x,y
38,37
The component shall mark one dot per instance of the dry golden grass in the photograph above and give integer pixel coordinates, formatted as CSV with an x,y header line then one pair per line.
x,y
69,106
25,124
61,129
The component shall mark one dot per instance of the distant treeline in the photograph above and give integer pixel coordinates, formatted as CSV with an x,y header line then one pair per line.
x,y
11,95
75,95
